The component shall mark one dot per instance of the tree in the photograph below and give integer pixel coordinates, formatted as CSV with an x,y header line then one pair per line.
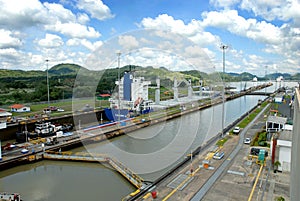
x,y
276,165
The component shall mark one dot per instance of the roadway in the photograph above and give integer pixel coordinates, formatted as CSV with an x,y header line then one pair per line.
x,y
210,182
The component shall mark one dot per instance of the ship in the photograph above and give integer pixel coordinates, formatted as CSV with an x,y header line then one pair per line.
x,y
42,129
131,99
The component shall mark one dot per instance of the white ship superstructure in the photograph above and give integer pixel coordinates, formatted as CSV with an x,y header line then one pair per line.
x,y
133,93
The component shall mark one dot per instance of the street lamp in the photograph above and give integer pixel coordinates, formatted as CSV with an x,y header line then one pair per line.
x,y
223,47
266,80
47,60
119,54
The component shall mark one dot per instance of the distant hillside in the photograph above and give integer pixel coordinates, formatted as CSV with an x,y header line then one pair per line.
x,y
64,69
20,73
296,77
60,69
149,72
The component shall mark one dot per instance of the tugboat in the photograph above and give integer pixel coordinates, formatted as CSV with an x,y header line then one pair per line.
x,y
42,129
45,129
10,196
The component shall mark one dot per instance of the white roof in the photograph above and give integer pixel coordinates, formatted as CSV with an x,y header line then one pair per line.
x,y
278,120
288,127
5,114
284,143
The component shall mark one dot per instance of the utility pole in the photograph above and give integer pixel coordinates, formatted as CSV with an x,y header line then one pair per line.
x,y
266,80
223,47
119,83
48,93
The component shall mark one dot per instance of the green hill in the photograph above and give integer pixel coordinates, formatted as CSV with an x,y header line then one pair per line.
x,y
20,73
65,69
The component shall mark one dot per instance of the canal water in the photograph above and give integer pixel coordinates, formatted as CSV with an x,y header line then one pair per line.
x,y
59,181
150,152
154,150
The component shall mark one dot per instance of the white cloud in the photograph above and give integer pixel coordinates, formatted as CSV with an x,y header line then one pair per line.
x,y
21,14
167,22
267,9
236,24
128,42
96,8
83,18
57,12
75,30
9,53
51,41
193,51
193,30
271,10
223,3
84,42
8,39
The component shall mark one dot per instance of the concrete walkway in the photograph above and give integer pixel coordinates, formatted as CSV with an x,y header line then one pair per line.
x,y
210,182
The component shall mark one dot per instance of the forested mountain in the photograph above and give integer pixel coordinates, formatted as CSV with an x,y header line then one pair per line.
x,y
67,80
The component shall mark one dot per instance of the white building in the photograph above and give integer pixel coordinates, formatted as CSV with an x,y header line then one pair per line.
x,y
19,108
4,115
281,150
275,123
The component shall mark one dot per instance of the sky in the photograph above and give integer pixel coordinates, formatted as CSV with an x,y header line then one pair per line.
x,y
261,36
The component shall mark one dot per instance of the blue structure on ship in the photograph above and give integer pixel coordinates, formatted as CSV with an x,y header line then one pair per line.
x,y
127,86
113,114
126,100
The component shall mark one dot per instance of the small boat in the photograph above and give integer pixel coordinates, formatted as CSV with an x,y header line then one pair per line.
x,y
10,196
42,129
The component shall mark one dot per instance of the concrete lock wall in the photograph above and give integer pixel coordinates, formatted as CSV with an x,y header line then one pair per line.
x,y
295,163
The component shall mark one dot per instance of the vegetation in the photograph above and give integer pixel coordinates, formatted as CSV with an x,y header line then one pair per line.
x,y
222,141
260,139
71,80
251,116
280,198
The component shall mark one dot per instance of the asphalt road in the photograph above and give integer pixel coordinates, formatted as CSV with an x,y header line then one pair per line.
x,y
210,182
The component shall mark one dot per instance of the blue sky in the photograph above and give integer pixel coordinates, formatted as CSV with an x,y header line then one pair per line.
x,y
260,34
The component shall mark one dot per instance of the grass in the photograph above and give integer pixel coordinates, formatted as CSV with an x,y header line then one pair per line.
x,y
222,141
68,106
251,116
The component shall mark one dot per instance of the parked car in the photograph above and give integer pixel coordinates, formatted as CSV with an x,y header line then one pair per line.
x,y
52,108
47,110
247,140
218,155
236,130
60,110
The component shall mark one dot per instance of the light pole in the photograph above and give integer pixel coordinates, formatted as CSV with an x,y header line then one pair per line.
x,y
47,60
223,47
266,80
119,54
